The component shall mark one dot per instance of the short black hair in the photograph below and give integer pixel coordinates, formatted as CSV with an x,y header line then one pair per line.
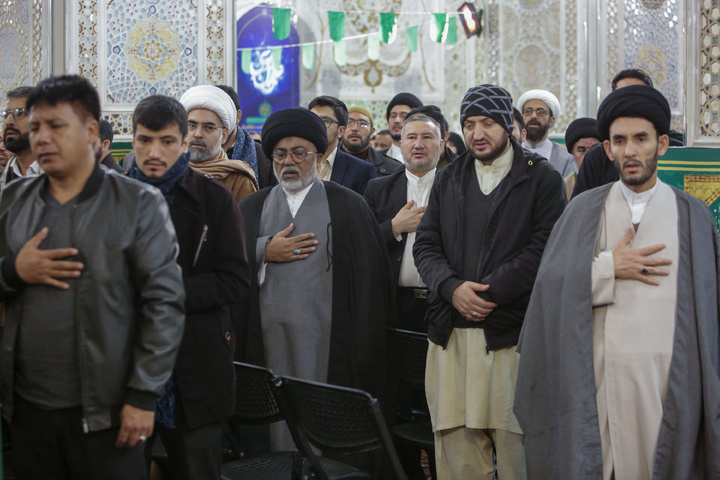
x,y
72,89
421,117
383,132
632,73
158,111
19,92
106,131
434,113
232,94
341,111
517,116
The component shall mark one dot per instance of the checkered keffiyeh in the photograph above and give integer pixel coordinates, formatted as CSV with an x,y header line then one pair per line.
x,y
489,101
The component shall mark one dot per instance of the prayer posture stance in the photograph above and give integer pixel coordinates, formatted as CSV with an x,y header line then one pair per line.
x,y
321,290
478,247
618,375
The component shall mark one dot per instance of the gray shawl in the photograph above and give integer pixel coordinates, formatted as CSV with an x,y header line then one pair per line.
x,y
555,393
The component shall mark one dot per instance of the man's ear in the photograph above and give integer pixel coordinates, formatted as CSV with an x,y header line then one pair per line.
x,y
239,116
663,144
552,122
225,135
341,131
606,145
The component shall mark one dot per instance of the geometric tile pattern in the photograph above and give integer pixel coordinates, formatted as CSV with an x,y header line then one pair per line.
x,y
25,42
709,69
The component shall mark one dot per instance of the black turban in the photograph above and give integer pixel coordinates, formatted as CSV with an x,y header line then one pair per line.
x,y
634,101
585,127
294,122
489,101
404,98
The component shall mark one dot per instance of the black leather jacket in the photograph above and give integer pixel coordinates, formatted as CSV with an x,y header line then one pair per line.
x,y
130,296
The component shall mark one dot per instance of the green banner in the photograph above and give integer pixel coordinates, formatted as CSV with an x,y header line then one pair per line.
x,y
308,56
387,26
373,42
245,59
440,21
337,25
412,38
451,38
339,53
281,23
277,57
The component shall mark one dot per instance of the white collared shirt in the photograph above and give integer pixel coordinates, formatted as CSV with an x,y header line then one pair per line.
x,y
542,148
395,152
637,201
295,200
490,176
33,170
418,190
326,165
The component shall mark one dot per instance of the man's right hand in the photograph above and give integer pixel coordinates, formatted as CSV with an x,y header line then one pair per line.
x,y
635,263
43,267
407,219
467,302
282,248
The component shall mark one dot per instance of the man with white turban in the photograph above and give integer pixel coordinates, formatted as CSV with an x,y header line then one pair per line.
x,y
540,108
211,118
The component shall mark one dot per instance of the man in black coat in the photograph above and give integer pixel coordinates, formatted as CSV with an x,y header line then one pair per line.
x,y
336,165
398,202
209,226
356,141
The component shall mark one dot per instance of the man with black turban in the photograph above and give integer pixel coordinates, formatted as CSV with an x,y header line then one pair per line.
x,y
478,247
321,290
618,374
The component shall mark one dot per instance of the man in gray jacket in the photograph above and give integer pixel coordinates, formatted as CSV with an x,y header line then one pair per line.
x,y
94,300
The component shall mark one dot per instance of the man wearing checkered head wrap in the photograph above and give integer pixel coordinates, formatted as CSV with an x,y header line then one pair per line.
x,y
510,198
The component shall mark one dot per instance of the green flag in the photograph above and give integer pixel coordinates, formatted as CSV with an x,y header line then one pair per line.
x,y
412,38
308,56
387,27
281,23
246,57
277,57
374,46
340,57
337,25
440,20
451,38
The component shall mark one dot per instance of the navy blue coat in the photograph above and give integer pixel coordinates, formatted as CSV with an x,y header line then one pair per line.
x,y
351,172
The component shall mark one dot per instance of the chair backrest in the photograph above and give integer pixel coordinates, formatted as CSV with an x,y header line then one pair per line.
x,y
333,418
255,401
409,350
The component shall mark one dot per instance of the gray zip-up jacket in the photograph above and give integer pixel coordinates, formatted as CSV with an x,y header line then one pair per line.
x,y
129,297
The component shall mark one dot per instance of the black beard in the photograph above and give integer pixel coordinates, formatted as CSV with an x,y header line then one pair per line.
x,y
650,168
19,144
396,138
493,154
534,135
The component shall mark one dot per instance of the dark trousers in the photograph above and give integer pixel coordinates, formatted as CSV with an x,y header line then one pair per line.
x,y
193,454
51,445
411,308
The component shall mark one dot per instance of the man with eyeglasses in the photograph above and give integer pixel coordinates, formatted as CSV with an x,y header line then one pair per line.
x,y
540,109
321,292
336,165
16,136
211,118
356,141
396,113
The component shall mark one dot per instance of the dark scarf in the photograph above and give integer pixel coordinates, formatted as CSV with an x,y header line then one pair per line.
x,y
167,182
245,150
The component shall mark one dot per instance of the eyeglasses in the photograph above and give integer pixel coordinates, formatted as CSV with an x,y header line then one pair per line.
x,y
206,127
18,113
540,112
360,123
298,155
329,121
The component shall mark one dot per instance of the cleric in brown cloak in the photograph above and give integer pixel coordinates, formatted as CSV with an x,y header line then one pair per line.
x,y
321,293
618,375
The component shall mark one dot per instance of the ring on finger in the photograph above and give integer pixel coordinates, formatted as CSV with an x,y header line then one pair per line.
x,y
474,314
142,438
644,270
297,251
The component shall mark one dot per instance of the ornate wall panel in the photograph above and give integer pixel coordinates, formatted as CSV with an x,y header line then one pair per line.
x,y
148,47
25,56
646,34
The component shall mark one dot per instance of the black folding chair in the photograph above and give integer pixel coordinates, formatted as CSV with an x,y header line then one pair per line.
x,y
414,433
338,421
255,404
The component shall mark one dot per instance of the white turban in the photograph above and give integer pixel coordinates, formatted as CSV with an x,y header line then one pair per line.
x,y
211,98
543,95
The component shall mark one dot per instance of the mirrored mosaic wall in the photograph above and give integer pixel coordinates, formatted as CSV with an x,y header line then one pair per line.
x,y
25,55
149,47
709,68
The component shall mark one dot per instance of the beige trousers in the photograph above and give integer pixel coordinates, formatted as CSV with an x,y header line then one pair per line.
x,y
467,454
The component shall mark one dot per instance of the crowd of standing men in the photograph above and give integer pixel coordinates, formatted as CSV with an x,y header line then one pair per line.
x,y
573,341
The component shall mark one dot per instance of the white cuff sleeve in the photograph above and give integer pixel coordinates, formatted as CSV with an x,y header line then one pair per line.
x,y
603,279
260,258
